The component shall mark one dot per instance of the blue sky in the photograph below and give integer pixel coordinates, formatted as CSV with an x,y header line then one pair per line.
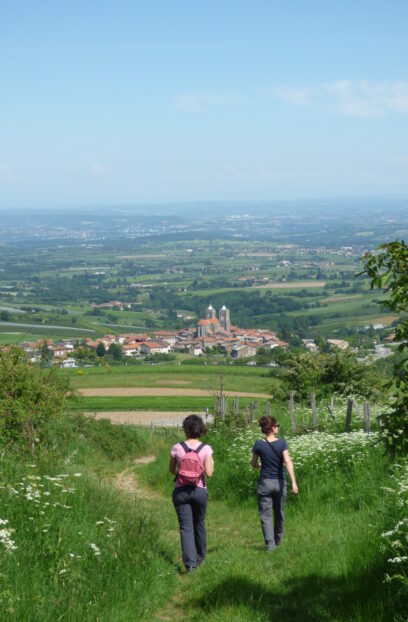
x,y
128,102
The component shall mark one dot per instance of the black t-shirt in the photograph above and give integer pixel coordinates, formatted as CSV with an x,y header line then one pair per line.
x,y
271,458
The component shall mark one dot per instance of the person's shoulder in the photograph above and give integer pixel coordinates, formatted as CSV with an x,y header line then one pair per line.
x,y
207,449
283,443
260,442
175,448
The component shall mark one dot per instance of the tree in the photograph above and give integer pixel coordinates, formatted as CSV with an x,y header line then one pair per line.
x,y
5,316
115,351
29,400
388,270
328,373
101,350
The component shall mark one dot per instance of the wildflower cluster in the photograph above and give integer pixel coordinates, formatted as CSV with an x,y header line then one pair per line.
x,y
37,505
395,540
5,536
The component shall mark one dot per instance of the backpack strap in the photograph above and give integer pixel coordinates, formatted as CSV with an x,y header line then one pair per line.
x,y
272,448
187,448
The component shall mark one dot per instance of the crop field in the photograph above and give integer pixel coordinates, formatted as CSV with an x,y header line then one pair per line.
x,y
204,377
269,270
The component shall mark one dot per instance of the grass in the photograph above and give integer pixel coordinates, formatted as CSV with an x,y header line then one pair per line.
x,y
329,566
174,375
82,550
171,403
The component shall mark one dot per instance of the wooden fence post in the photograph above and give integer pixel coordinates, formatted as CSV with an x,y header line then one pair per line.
x,y
236,405
292,408
251,412
348,415
151,426
367,424
268,409
357,408
223,403
314,410
330,408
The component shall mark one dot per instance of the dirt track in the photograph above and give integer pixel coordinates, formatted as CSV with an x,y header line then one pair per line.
x,y
160,392
140,417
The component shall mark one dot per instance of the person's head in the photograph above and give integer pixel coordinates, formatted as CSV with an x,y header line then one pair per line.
x,y
193,426
268,425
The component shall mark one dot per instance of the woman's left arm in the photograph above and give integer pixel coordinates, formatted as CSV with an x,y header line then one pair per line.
x,y
173,466
289,466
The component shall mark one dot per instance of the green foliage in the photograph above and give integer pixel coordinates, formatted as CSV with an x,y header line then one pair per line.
x,y
73,549
29,401
328,373
388,270
101,350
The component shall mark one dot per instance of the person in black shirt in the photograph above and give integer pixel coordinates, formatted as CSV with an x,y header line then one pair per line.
x,y
274,456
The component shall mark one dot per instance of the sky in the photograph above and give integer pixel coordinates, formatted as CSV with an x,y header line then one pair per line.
x,y
128,102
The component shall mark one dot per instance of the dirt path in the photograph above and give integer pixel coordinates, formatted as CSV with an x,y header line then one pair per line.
x,y
140,417
127,480
160,392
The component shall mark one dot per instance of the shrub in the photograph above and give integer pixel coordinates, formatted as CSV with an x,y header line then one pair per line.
x,y
29,400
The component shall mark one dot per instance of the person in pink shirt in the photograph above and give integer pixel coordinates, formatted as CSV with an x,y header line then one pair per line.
x,y
190,493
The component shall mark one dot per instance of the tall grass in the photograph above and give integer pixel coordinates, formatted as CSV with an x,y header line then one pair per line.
x,y
72,548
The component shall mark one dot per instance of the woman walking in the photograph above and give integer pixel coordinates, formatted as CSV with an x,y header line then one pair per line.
x,y
274,455
191,461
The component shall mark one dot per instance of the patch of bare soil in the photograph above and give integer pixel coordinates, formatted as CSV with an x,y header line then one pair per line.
x,y
140,417
128,482
159,392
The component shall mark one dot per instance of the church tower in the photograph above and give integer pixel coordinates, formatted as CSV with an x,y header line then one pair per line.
x,y
224,318
210,313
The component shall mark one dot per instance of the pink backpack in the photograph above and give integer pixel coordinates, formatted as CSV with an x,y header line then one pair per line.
x,y
191,468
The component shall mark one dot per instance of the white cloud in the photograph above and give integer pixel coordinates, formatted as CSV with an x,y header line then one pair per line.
x,y
399,159
300,96
100,170
200,102
6,174
363,99
367,99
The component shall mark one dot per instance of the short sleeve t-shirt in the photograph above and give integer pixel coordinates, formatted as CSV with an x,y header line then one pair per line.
x,y
178,452
271,455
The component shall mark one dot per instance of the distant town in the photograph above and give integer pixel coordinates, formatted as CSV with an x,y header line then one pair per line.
x,y
213,332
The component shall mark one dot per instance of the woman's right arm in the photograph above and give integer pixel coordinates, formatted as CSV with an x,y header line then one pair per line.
x,y
254,461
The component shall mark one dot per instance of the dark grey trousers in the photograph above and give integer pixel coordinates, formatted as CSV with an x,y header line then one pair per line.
x,y
191,504
272,497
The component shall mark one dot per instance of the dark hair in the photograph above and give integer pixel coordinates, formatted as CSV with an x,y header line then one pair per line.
x,y
193,426
267,423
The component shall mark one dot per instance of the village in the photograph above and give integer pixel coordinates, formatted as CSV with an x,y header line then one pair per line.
x,y
210,332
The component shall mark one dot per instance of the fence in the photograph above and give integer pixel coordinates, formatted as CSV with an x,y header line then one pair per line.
x,y
252,412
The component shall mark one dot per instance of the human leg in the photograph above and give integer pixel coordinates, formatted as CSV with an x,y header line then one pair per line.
x,y
199,507
183,506
265,512
279,501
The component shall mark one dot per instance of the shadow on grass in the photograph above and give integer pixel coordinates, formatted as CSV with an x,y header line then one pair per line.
x,y
314,598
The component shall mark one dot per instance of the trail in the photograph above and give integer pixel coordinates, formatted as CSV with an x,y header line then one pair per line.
x,y
307,578
127,480
224,530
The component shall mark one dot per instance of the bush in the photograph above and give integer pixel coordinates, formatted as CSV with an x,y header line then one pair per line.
x,y
30,399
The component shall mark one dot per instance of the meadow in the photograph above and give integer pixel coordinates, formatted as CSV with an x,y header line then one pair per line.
x,y
88,531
